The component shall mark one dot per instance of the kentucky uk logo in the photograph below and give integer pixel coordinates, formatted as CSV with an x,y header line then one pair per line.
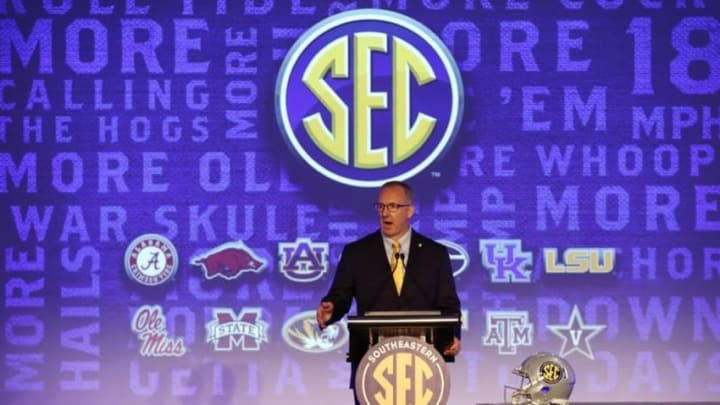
x,y
506,260
367,95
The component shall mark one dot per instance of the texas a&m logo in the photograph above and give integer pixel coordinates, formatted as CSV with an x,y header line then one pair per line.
x,y
303,261
507,330
369,95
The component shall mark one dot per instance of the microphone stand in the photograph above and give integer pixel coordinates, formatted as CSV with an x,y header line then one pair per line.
x,y
398,256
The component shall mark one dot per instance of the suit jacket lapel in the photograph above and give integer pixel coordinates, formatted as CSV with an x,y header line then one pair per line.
x,y
415,253
378,253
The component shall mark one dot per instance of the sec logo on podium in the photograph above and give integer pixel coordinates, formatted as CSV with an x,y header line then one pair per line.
x,y
402,370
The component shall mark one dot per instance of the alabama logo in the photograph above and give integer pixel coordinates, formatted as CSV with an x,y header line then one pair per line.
x,y
228,261
369,95
151,259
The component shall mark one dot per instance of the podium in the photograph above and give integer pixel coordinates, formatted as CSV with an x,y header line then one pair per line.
x,y
399,357
430,326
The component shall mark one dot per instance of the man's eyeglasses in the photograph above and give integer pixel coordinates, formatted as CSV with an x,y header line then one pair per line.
x,y
391,207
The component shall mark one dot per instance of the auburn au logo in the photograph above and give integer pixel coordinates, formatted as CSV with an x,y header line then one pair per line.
x,y
367,95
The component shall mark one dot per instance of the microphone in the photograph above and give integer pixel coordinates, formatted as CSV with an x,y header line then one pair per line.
x,y
386,281
398,257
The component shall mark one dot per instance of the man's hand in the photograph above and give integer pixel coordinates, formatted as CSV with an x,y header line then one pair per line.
x,y
453,349
324,313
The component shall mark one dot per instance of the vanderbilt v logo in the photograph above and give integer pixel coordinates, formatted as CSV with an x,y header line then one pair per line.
x,y
575,336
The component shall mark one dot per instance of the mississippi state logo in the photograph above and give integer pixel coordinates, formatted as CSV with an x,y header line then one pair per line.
x,y
246,330
366,96
151,259
402,370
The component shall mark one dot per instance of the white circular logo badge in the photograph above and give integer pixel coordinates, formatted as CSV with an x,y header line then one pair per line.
x,y
151,259
402,370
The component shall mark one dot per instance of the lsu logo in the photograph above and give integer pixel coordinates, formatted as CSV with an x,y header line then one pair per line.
x,y
303,261
301,332
228,261
367,95
402,370
580,260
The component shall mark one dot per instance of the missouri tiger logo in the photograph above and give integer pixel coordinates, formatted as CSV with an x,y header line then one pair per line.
x,y
301,332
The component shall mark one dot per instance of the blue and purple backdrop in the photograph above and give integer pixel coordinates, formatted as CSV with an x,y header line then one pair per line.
x,y
178,178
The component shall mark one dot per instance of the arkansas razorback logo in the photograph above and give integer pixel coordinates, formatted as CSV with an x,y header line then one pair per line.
x,y
228,261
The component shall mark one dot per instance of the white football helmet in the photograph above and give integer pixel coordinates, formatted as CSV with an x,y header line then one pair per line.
x,y
546,379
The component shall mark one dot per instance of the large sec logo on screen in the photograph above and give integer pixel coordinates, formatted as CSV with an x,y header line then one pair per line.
x,y
366,96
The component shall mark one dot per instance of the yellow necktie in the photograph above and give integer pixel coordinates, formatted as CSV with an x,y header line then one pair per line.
x,y
398,266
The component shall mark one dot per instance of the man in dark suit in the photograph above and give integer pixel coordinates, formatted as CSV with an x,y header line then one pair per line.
x,y
416,276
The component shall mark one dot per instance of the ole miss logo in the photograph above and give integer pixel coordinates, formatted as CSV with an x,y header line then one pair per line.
x,y
366,96
149,324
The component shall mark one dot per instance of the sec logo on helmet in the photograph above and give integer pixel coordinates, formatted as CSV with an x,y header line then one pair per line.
x,y
367,95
